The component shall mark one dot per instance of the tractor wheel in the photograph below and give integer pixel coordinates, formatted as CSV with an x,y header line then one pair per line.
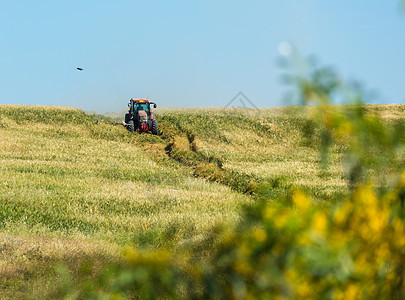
x,y
155,129
127,118
131,125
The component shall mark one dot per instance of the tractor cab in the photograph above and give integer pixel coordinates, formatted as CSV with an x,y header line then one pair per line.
x,y
136,105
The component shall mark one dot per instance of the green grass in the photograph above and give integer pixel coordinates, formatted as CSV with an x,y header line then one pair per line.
x,y
77,187
265,147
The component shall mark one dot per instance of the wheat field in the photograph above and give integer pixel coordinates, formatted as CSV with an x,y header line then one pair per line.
x,y
77,187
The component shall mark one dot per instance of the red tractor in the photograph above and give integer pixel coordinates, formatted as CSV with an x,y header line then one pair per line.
x,y
140,116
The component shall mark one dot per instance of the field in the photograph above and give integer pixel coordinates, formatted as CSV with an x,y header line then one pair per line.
x,y
76,187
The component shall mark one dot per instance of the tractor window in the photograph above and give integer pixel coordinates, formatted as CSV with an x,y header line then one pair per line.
x,y
142,106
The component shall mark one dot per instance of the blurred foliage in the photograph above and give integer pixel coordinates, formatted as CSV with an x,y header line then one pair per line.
x,y
352,251
374,150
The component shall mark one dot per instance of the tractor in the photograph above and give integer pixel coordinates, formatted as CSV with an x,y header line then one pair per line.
x,y
140,116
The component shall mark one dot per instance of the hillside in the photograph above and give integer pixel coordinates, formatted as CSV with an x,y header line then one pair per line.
x,y
76,186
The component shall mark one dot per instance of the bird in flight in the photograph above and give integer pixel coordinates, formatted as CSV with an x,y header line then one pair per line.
x,y
80,69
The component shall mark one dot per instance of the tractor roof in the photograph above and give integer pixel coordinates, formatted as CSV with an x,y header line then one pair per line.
x,y
140,100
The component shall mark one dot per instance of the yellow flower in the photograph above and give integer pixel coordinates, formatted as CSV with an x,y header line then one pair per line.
x,y
378,219
382,253
281,219
340,216
304,239
366,196
259,234
320,222
303,290
351,292
267,213
301,200
292,275
339,238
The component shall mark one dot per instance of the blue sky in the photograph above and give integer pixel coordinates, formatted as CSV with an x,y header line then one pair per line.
x,y
190,53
